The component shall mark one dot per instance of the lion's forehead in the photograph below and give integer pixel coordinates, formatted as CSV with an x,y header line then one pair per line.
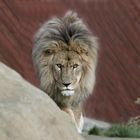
x,y
70,56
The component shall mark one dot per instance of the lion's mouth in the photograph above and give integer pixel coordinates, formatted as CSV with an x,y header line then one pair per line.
x,y
67,92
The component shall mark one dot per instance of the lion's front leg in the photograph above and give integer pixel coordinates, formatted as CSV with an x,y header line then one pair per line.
x,y
77,111
78,120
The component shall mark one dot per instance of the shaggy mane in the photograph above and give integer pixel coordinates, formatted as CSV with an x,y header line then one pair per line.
x,y
66,33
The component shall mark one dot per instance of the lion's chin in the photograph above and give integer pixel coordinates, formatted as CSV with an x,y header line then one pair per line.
x,y
67,92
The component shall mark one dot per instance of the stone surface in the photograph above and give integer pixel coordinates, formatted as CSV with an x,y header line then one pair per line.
x,y
90,123
27,113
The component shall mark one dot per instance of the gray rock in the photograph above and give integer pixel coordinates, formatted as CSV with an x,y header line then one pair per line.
x,y
90,123
27,113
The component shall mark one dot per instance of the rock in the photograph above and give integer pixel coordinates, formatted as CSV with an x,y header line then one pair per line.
x,y
27,113
90,123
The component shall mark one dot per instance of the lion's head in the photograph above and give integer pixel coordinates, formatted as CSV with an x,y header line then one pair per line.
x,y
65,57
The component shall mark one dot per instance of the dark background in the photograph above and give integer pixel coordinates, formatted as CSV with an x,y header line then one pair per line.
x,y
117,25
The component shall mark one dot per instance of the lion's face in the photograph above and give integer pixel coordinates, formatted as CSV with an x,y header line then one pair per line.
x,y
67,71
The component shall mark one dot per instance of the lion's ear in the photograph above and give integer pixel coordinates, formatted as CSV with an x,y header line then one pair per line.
x,y
84,51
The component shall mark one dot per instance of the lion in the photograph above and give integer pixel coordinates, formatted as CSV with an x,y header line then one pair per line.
x,y
65,57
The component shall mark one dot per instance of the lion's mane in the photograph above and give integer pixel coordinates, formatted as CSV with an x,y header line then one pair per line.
x,y
56,35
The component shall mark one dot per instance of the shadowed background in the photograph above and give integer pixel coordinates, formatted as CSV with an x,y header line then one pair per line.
x,y
116,24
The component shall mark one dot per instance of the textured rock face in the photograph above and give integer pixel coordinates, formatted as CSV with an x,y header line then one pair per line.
x,y
26,113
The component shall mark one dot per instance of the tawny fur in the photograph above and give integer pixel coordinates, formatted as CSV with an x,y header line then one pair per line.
x,y
66,35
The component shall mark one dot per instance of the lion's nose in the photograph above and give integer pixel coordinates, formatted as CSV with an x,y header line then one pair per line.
x,y
66,84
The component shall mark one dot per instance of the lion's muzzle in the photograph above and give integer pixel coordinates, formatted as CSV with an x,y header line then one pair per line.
x,y
67,92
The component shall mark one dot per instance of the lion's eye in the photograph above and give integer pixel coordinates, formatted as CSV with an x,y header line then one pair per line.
x,y
75,66
59,66
47,52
